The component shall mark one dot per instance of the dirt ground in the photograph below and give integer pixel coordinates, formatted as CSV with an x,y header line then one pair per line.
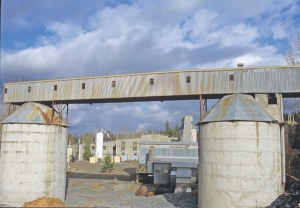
x,y
87,186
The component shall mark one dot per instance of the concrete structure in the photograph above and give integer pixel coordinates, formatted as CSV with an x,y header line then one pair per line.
x,y
240,160
99,145
33,155
80,149
187,132
128,149
158,86
109,148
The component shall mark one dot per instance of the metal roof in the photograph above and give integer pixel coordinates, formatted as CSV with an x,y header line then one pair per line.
x,y
237,107
34,113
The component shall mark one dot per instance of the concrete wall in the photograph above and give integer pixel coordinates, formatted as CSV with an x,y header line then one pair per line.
x,y
239,164
32,162
109,148
267,101
129,151
193,135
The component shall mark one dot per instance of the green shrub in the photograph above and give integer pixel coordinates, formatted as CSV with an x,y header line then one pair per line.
x,y
87,150
108,165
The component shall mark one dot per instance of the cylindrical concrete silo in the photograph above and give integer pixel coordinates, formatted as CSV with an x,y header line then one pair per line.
x,y
33,155
239,155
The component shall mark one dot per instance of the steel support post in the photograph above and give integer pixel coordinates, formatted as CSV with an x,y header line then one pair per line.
x,y
59,108
11,108
203,107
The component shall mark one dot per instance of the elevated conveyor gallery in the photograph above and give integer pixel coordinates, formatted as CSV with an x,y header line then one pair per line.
x,y
158,86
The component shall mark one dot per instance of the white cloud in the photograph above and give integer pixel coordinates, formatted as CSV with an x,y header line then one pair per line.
x,y
145,36
278,32
65,32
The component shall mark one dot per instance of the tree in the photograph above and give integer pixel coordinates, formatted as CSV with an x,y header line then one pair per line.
x,y
73,139
292,52
168,130
175,131
292,132
87,148
108,165
292,56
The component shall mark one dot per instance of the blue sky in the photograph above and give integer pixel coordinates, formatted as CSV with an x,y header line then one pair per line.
x,y
52,39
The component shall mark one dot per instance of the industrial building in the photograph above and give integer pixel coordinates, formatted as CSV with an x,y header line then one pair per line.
x,y
173,163
241,140
128,149
187,132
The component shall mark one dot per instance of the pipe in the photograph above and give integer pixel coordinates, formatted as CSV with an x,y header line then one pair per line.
x,y
282,141
151,155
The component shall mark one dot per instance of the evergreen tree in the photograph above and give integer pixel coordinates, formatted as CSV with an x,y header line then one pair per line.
x,y
175,131
108,165
168,130
87,148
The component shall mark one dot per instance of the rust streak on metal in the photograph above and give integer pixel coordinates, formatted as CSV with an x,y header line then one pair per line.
x,y
168,85
224,107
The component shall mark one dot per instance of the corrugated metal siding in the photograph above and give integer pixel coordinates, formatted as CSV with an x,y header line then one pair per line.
x,y
168,150
238,107
173,83
34,113
161,173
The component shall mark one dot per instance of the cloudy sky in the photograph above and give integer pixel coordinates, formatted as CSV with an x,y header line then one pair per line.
x,y
52,39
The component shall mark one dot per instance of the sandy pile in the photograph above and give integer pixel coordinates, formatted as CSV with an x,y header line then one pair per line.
x,y
45,202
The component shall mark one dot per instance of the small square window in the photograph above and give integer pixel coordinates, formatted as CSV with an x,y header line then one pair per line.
x,y
113,84
151,81
188,79
83,86
104,147
29,89
231,77
272,99
5,90
55,87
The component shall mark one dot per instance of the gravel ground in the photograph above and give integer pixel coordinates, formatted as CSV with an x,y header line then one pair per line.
x,y
87,188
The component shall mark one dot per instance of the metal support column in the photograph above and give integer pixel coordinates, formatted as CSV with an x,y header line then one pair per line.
x,y
203,107
59,108
11,108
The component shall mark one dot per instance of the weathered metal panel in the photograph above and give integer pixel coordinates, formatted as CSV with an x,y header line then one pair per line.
x,y
34,113
184,173
168,150
161,173
238,107
167,85
183,180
